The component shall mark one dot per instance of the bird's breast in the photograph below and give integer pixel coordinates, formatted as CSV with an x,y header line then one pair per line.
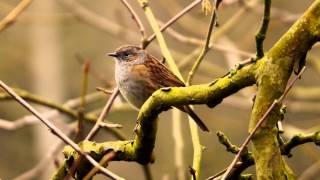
x,y
134,84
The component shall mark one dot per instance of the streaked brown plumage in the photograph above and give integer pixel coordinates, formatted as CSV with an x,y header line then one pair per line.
x,y
138,75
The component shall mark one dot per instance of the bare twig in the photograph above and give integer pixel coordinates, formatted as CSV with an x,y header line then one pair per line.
x,y
136,18
263,118
198,42
110,125
84,90
104,90
299,139
173,20
193,173
81,60
103,114
57,131
30,119
261,35
41,165
205,49
104,160
12,16
198,148
14,125
96,127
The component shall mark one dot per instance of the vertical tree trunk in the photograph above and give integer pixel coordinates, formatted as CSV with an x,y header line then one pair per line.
x,y
46,67
272,79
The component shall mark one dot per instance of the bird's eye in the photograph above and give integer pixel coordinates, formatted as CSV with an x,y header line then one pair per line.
x,y
126,54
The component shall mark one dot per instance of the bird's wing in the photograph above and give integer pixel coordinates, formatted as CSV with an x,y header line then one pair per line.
x,y
162,74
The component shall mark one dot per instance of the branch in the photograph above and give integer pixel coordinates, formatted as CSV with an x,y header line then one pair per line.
x,y
198,148
198,42
163,46
136,18
44,102
94,131
173,20
103,114
247,159
258,125
205,49
66,108
12,16
261,34
298,140
56,131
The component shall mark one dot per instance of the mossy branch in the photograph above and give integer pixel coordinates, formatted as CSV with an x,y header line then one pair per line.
x,y
272,78
298,140
261,34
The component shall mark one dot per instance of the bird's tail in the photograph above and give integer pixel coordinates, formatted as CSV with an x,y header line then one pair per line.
x,y
195,117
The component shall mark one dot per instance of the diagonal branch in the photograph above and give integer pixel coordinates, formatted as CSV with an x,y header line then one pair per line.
x,y
57,131
261,34
136,18
258,125
11,17
173,20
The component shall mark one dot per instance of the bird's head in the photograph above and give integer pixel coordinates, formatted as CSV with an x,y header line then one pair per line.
x,y
128,53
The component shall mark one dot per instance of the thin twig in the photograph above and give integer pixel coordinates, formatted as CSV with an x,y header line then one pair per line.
x,y
84,90
104,90
261,35
110,125
30,119
103,114
97,75
96,127
104,160
299,139
136,18
198,42
43,163
205,49
12,16
263,118
198,148
147,172
57,131
173,20
193,173
162,43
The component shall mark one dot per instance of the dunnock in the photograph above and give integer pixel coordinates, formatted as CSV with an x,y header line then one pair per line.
x,y
138,75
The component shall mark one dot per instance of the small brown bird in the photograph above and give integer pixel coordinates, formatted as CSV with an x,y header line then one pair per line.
x,y
138,75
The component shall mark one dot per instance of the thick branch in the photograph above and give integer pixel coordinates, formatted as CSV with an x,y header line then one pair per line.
x,y
272,78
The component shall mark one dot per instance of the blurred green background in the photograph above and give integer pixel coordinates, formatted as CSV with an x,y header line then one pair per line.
x,y
39,54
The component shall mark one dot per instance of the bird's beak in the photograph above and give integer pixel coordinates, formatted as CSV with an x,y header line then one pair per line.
x,y
112,54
